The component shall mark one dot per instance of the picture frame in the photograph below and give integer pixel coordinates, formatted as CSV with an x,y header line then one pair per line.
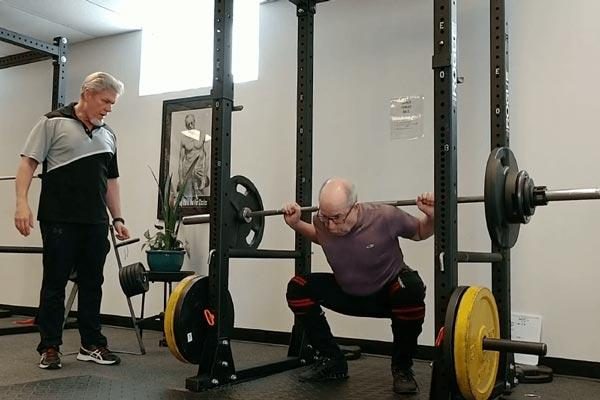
x,y
186,134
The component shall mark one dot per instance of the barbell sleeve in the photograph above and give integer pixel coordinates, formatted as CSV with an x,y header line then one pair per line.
x,y
514,346
196,219
478,257
573,194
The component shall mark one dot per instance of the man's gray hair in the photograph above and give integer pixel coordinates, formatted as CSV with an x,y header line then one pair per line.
x,y
349,188
99,81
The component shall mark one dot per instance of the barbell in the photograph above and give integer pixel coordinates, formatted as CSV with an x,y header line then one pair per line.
x,y
12,178
510,198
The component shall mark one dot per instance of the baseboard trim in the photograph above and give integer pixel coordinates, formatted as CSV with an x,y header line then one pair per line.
x,y
20,310
579,368
561,366
29,312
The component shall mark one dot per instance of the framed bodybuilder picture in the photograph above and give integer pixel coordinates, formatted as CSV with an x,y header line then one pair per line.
x,y
186,130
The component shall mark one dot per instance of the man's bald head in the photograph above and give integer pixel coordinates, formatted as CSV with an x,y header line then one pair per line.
x,y
337,194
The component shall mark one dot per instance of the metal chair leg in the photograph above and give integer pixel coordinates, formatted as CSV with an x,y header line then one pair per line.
x,y
134,319
138,332
69,303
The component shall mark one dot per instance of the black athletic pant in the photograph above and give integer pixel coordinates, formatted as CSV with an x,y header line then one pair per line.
x,y
81,248
401,300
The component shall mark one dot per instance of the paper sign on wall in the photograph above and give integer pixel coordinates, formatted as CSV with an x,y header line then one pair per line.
x,y
406,118
528,328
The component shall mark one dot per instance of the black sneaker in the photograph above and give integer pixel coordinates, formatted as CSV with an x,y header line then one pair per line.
x,y
99,355
404,381
326,369
50,359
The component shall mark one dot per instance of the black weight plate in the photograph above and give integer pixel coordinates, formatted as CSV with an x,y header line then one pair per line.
x,y
140,278
534,374
245,195
123,281
133,279
512,208
5,313
190,327
130,281
500,166
449,321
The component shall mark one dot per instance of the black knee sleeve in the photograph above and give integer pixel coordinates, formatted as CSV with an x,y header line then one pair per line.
x,y
298,297
406,296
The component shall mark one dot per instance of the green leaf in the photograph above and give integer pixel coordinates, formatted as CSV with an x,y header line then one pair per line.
x,y
169,203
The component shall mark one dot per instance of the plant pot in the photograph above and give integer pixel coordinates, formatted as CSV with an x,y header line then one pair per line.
x,y
165,260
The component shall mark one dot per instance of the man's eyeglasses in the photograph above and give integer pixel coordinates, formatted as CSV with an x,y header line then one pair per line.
x,y
337,219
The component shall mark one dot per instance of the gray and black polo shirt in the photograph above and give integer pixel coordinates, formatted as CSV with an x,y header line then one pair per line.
x,y
77,163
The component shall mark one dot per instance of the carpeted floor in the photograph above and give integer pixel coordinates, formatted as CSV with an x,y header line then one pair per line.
x,y
158,375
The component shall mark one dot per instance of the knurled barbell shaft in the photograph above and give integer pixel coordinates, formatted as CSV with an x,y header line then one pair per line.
x,y
514,346
396,203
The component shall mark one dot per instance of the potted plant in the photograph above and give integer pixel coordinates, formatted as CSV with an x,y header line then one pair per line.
x,y
166,253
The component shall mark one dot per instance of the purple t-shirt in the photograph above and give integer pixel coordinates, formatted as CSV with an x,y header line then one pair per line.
x,y
369,256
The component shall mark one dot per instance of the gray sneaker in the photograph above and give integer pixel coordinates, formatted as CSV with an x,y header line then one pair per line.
x,y
404,381
326,369
99,355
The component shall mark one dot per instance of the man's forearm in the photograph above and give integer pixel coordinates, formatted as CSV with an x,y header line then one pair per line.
x,y
23,180
426,227
113,198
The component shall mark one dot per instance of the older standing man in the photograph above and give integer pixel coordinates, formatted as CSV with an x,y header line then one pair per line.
x,y
78,153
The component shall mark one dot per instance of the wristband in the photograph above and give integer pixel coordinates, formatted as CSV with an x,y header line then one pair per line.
x,y
118,219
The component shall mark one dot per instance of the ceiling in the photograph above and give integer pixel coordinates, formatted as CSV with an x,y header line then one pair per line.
x,y
77,20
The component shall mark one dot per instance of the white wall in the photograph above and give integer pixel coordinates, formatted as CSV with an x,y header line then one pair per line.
x,y
365,54
554,110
